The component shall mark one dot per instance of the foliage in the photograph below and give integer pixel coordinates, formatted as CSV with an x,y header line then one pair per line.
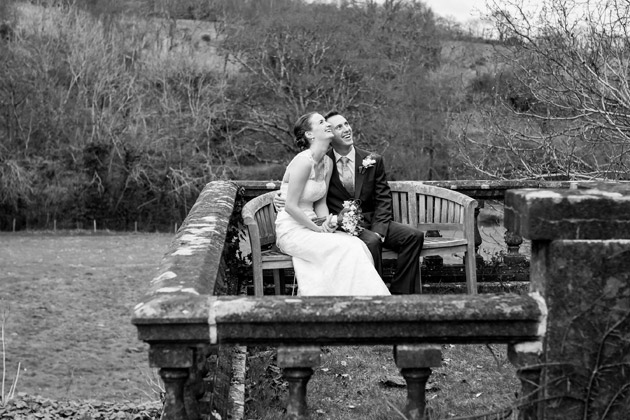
x,y
265,387
91,132
565,78
119,112
237,265
96,124
370,61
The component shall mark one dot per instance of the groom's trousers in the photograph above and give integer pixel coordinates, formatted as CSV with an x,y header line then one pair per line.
x,y
407,242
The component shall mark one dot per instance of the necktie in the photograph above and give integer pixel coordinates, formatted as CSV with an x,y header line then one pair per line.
x,y
346,175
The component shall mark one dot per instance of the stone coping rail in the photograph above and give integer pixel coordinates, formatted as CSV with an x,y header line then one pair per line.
x,y
338,320
479,189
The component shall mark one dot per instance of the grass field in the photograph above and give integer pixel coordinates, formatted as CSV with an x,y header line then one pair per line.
x,y
67,299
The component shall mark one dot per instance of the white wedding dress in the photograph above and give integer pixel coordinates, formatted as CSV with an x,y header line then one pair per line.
x,y
325,264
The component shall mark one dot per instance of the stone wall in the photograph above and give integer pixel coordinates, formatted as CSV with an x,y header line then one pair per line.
x,y
580,264
173,315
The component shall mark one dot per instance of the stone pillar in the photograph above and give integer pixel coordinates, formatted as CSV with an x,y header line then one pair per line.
x,y
525,357
415,363
174,380
297,363
581,266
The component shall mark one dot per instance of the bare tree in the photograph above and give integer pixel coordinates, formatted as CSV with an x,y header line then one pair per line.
x,y
567,67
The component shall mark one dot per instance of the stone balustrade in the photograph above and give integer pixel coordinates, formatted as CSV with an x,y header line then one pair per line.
x,y
568,338
416,325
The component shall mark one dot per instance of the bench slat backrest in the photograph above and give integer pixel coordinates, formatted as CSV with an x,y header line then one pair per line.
x,y
433,208
259,215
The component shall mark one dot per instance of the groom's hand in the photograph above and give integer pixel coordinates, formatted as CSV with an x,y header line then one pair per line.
x,y
341,215
279,201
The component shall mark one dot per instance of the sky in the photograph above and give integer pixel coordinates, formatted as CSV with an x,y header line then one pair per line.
x,y
461,10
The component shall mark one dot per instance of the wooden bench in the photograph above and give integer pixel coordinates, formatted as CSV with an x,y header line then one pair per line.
x,y
426,207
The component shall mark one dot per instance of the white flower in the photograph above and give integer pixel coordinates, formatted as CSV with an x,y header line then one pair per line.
x,y
351,217
368,162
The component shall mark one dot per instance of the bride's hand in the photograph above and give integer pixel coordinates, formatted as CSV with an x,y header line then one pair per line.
x,y
326,225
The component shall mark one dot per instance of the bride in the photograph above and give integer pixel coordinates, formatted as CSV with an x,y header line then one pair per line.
x,y
326,261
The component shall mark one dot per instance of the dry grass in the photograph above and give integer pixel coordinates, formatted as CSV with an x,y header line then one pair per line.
x,y
10,394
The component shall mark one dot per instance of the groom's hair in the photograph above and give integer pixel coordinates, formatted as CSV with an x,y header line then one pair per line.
x,y
330,114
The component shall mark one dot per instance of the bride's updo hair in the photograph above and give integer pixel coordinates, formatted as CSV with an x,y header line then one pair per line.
x,y
301,126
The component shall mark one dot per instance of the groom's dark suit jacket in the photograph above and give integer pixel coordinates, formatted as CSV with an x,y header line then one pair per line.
x,y
370,187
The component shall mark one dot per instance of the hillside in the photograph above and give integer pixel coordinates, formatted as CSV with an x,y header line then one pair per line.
x,y
154,41
157,40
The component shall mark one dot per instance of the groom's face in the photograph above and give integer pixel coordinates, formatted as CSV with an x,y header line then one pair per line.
x,y
342,132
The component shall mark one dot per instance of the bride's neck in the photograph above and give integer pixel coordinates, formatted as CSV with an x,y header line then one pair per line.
x,y
318,151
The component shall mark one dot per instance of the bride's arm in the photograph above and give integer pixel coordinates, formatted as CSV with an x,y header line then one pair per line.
x,y
299,171
320,206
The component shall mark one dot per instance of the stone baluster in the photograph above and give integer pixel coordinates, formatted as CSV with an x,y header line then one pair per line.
x,y
415,363
580,266
174,380
174,363
513,241
297,363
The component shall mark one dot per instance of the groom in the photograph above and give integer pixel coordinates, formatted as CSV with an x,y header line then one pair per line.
x,y
358,174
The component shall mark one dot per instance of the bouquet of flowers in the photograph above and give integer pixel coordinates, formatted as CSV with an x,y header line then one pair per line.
x,y
351,217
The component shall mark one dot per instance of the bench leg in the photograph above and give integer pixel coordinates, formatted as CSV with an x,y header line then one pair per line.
x,y
418,286
470,269
258,282
415,362
294,285
279,283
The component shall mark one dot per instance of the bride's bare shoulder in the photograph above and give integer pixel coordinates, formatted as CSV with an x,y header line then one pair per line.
x,y
300,162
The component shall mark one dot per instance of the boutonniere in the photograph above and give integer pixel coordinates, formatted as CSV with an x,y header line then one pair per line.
x,y
368,162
